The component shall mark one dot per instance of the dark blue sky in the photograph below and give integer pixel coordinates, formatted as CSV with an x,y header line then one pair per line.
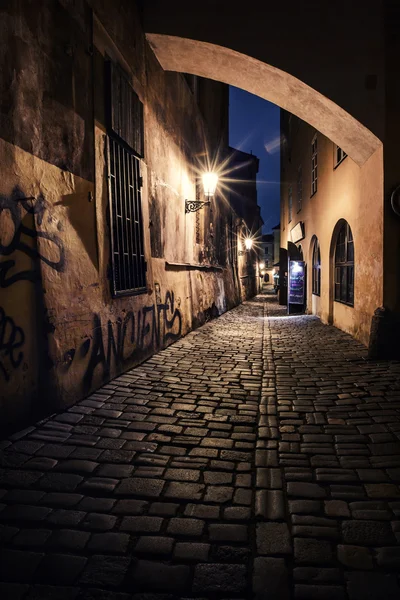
x,y
254,127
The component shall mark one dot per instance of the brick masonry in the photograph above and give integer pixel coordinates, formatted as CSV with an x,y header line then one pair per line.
x,y
258,457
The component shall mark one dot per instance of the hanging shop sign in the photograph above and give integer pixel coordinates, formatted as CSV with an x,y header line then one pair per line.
x,y
297,233
296,281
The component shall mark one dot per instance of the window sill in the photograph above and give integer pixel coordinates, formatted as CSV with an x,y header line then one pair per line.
x,y
315,294
314,194
135,292
193,266
345,303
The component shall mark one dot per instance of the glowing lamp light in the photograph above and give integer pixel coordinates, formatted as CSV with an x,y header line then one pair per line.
x,y
262,265
248,242
210,181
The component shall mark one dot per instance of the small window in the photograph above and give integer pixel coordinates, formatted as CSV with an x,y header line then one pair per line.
x,y
299,189
124,146
344,266
314,165
316,270
290,203
340,155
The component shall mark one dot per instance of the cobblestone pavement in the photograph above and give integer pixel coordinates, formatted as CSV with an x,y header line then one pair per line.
x,y
255,458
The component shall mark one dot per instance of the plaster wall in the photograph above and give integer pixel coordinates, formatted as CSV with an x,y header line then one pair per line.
x,y
347,192
63,334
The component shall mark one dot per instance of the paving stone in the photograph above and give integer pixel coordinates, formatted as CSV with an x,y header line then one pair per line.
x,y
141,524
336,508
367,533
160,577
270,504
12,591
311,551
184,491
60,569
218,493
217,578
157,545
228,533
305,490
31,537
99,521
273,538
355,557
319,592
51,592
185,527
362,585
109,542
191,551
70,539
105,570
270,579
140,486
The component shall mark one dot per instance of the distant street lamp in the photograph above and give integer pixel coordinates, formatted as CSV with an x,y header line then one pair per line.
x,y
210,181
262,265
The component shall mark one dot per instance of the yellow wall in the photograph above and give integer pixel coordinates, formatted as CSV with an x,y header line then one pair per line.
x,y
346,192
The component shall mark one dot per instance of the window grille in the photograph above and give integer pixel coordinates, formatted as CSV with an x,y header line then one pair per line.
x,y
290,203
344,266
127,244
314,165
340,155
299,189
125,111
124,146
316,270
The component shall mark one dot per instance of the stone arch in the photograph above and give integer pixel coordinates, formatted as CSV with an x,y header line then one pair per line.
x,y
220,63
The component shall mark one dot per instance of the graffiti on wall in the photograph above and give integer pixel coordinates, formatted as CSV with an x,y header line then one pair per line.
x,y
12,338
120,342
13,211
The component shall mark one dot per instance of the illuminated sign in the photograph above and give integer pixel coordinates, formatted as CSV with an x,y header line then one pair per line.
x,y
296,281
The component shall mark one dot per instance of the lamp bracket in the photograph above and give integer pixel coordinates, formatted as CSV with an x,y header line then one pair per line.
x,y
195,205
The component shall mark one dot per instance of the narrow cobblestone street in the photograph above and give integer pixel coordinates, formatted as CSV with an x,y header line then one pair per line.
x,y
258,457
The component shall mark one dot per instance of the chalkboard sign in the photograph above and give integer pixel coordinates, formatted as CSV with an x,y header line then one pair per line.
x,y
296,282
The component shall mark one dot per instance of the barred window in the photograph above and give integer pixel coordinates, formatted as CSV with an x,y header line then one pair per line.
x,y
290,203
314,165
340,155
344,266
124,146
316,270
299,189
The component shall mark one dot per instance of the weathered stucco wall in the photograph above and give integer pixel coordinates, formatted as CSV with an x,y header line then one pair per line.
x,y
62,333
347,192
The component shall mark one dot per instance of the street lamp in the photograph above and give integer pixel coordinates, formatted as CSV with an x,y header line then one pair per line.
x,y
210,181
262,265
248,242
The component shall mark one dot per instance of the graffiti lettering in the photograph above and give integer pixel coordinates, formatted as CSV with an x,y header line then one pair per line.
x,y
118,343
15,208
12,338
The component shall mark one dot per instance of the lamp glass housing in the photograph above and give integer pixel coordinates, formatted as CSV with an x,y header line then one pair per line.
x,y
248,242
210,181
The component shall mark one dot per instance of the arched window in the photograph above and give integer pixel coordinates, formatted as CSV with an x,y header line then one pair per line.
x,y
344,266
316,270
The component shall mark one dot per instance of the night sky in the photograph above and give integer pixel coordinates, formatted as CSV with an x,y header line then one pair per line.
x,y
254,127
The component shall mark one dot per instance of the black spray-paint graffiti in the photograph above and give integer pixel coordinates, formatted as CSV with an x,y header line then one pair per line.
x,y
15,208
152,326
12,338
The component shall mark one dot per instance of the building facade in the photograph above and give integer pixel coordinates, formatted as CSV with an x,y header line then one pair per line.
x,y
104,257
331,219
